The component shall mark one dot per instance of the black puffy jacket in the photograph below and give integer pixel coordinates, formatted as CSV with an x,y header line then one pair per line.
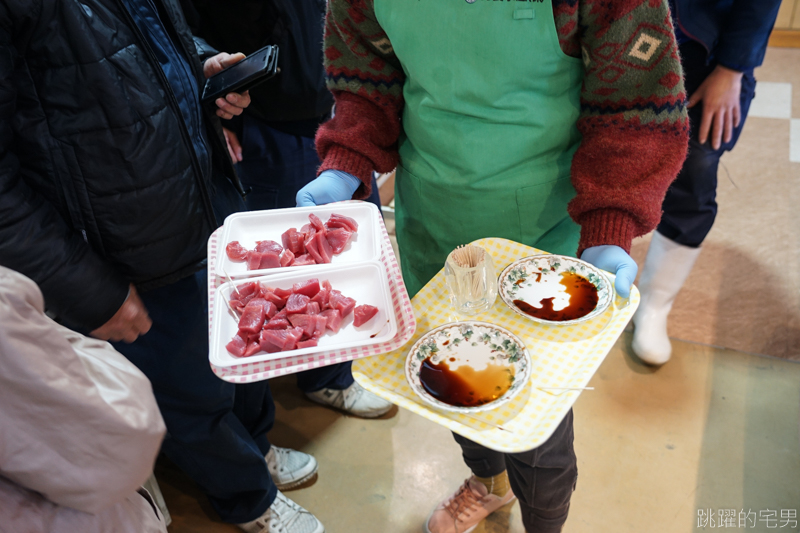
x,y
99,183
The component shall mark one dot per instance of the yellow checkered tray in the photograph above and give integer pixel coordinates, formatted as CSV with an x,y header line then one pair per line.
x,y
562,356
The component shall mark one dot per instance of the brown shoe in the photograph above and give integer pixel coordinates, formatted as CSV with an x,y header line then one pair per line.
x,y
464,510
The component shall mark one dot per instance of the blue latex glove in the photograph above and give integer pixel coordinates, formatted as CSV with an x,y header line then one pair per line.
x,y
330,186
614,259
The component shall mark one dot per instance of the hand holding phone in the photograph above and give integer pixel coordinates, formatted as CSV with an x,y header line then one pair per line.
x,y
228,75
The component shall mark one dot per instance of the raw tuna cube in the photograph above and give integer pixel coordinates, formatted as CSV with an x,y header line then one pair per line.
x,y
293,241
327,285
338,239
313,249
363,314
237,346
253,260
341,221
236,252
310,343
253,347
270,310
269,246
308,230
252,319
313,308
306,322
270,296
317,223
281,314
266,343
283,340
324,249
333,319
310,288
246,289
302,260
320,322
270,260
283,293
287,258
322,297
341,302
277,323
297,303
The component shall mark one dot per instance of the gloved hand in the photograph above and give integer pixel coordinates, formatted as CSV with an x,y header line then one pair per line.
x,y
614,259
330,186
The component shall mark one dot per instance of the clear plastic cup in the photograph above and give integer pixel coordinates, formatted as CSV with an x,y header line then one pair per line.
x,y
473,289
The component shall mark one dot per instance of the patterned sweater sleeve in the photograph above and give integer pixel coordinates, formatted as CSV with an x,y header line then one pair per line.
x,y
633,117
367,83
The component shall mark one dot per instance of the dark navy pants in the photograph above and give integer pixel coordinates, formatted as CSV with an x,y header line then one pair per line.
x,y
216,431
275,165
690,205
542,479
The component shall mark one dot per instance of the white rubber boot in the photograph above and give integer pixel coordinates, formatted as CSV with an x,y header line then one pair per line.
x,y
665,270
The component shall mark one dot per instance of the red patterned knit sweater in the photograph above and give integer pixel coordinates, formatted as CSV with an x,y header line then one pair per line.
x,y
633,117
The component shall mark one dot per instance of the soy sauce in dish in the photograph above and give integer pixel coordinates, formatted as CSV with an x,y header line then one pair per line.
x,y
465,387
583,299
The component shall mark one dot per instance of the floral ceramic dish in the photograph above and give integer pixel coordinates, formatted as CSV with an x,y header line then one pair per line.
x,y
561,290
479,361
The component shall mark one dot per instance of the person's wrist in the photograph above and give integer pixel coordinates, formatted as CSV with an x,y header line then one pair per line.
x,y
729,72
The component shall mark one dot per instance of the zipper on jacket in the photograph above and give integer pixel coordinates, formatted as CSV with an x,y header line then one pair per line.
x,y
175,107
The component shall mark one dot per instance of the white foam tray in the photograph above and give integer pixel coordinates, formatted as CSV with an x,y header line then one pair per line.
x,y
251,226
366,283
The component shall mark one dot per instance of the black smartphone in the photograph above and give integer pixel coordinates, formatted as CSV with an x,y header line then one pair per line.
x,y
247,73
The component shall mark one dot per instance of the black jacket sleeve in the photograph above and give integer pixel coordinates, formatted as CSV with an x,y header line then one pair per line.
x,y
744,36
78,285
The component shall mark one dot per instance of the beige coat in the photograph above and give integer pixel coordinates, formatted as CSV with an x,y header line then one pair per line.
x,y
79,426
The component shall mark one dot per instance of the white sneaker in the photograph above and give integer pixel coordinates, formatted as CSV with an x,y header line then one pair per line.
x,y
355,400
284,516
289,468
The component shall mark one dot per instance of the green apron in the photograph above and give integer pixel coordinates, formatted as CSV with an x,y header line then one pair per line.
x,y
489,128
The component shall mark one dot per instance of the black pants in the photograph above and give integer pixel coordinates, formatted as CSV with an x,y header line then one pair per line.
x,y
542,479
275,165
690,206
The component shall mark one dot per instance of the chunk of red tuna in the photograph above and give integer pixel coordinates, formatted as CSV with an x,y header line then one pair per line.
x,y
341,221
252,319
308,230
310,288
270,260
246,289
253,260
281,314
287,258
283,340
363,314
323,247
304,321
312,248
320,323
302,260
266,343
333,319
327,285
277,323
237,346
310,343
317,223
236,252
322,297
313,308
293,241
341,302
269,246
283,293
253,347
297,303
338,239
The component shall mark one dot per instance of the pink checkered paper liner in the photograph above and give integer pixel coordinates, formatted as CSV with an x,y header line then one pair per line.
x,y
250,372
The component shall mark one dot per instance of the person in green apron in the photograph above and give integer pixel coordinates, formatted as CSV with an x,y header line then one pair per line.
x,y
555,123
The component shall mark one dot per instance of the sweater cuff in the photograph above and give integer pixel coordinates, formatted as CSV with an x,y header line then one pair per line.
x,y
607,227
345,160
